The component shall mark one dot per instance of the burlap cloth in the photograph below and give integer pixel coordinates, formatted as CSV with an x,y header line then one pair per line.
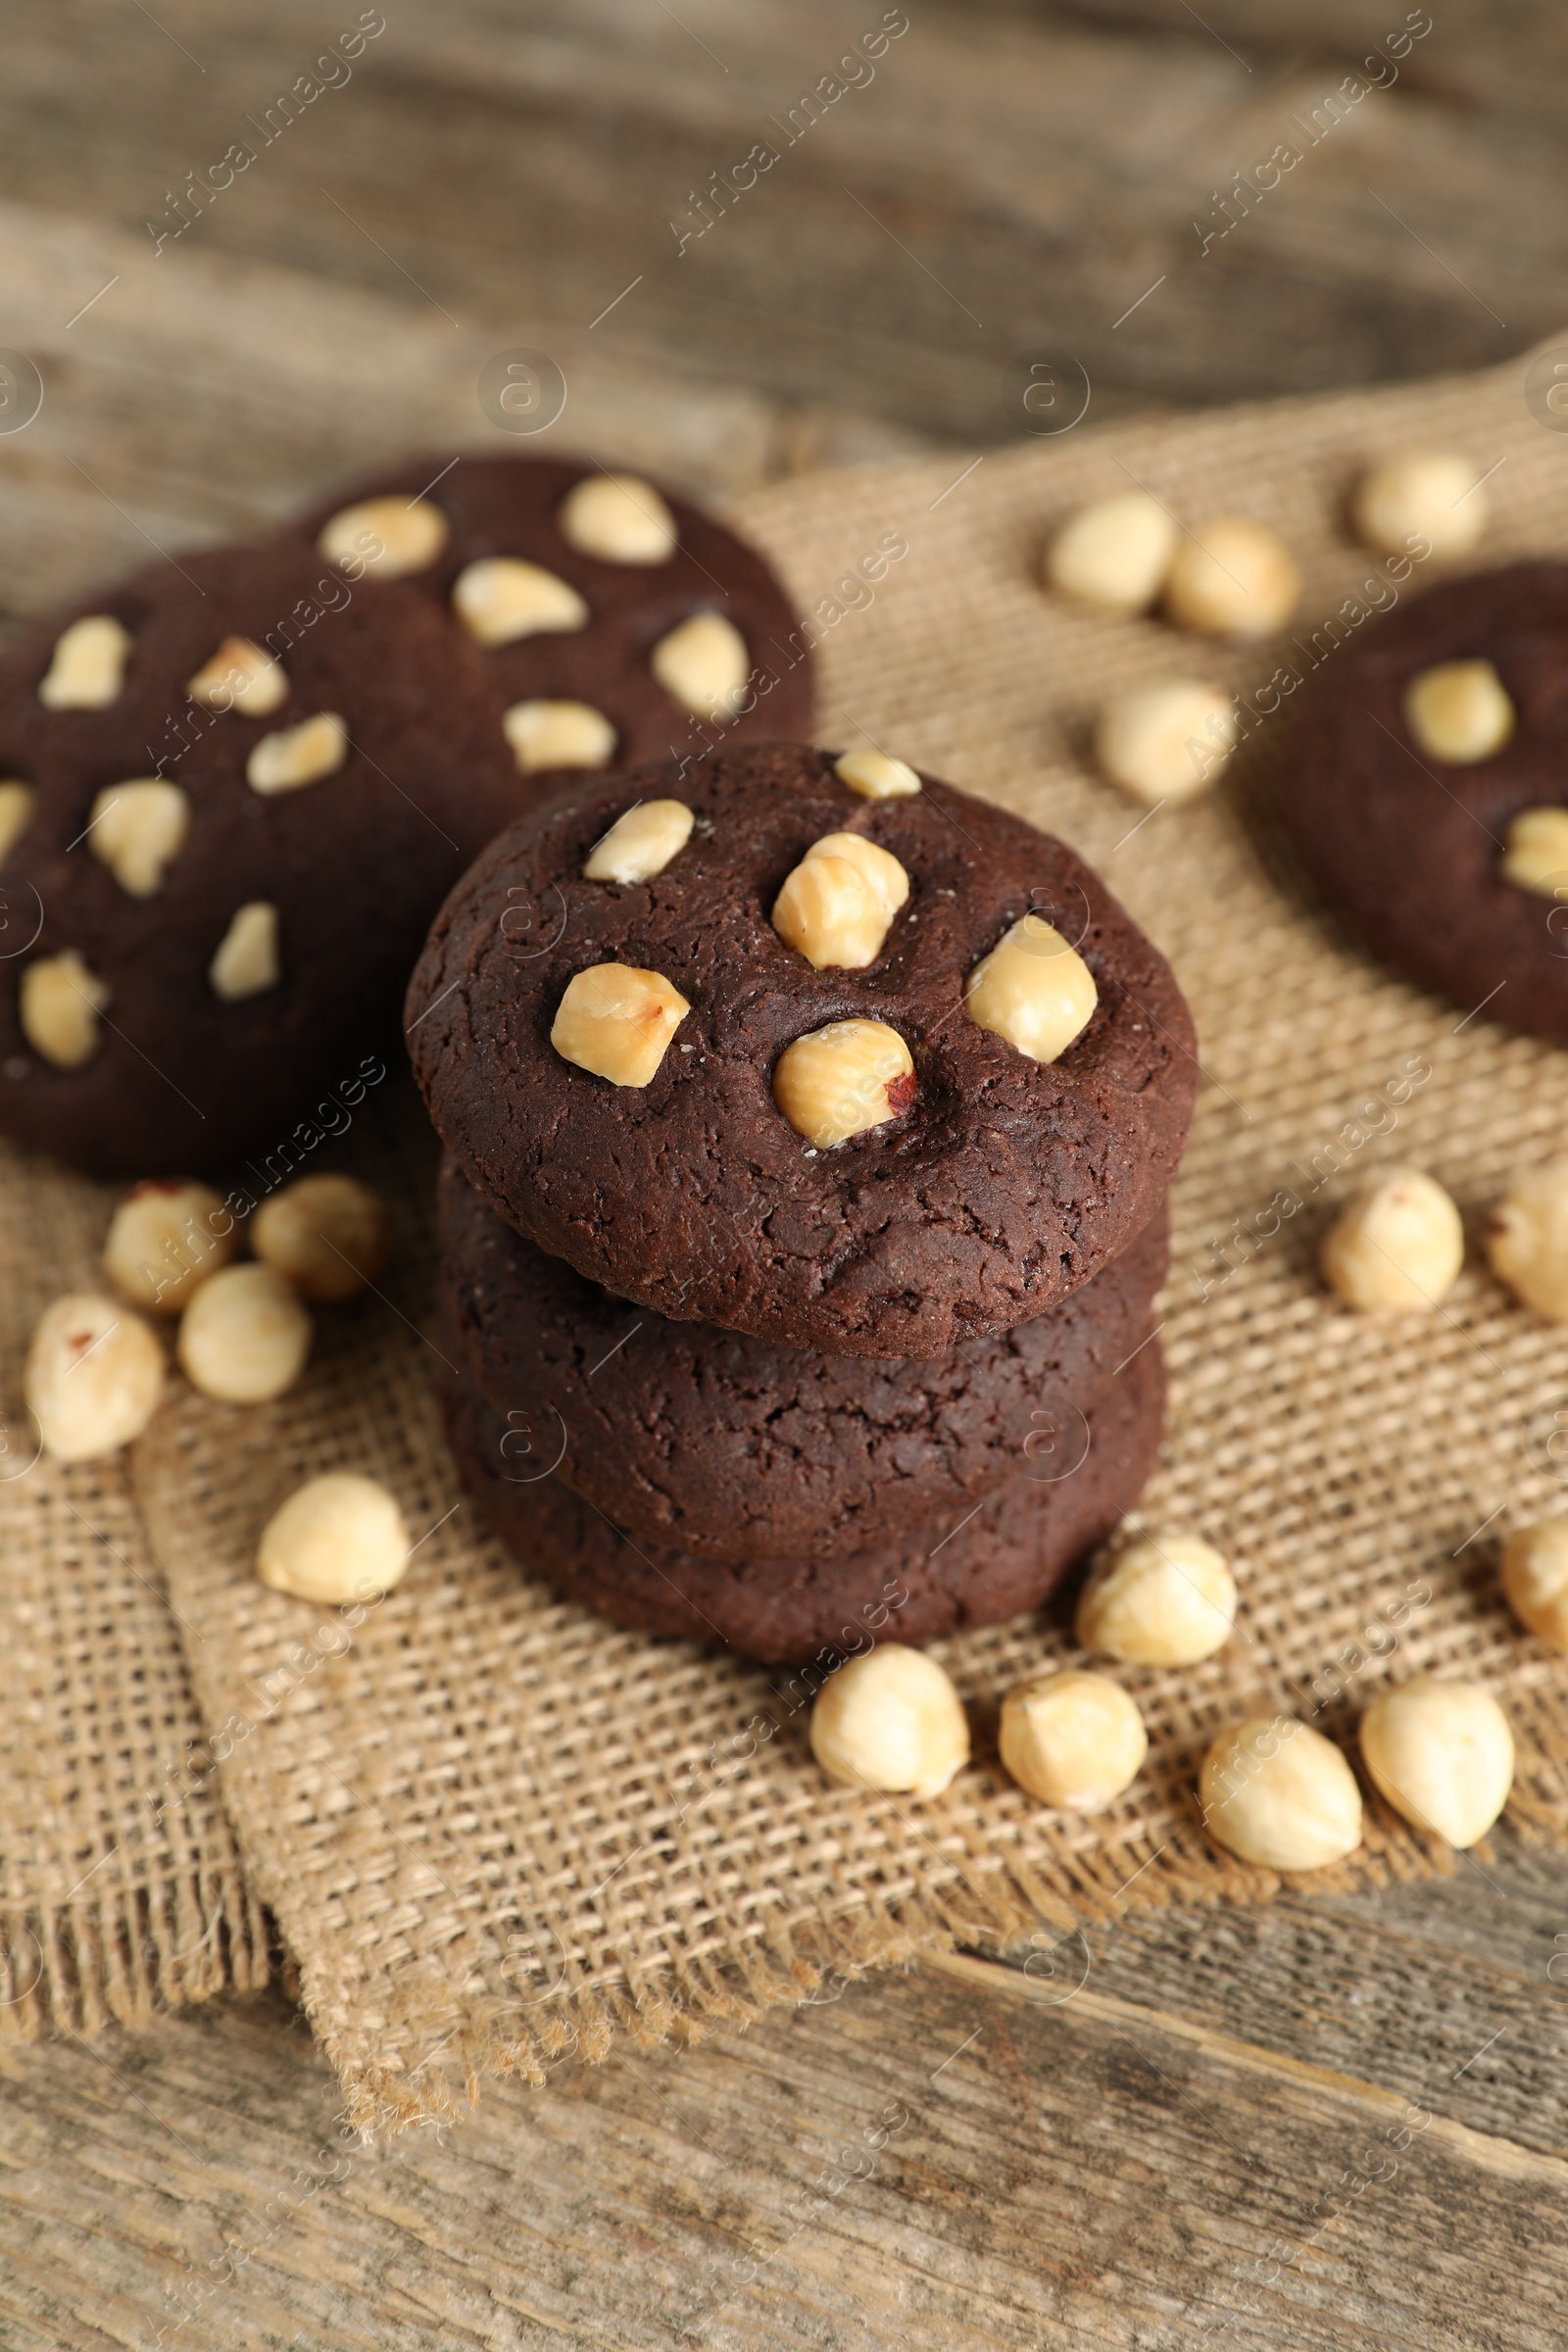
x,y
493,1831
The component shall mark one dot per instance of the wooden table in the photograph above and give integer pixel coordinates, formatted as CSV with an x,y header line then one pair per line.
x,y
1330,2120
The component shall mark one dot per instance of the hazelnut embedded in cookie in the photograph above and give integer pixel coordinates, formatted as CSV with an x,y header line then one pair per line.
x,y
60,1001
640,844
138,830
389,536
837,906
842,1080
87,667
297,756
616,1020
500,599
1535,852
240,677
1033,989
617,518
1458,711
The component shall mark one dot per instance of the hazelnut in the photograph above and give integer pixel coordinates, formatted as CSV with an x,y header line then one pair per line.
x,y
890,1720
617,518
640,844
1232,578
702,665
1160,1598
240,677
138,830
1441,1755
874,776
1535,1579
87,666
616,1020
1114,554
328,1235
500,599
839,902
1072,1740
295,755
1033,989
1458,711
337,1538
839,1081
388,536
558,735
1535,852
16,807
244,1336
1425,494
247,962
94,1376
1165,743
1527,1240
165,1239
58,1001
1396,1248
1278,1793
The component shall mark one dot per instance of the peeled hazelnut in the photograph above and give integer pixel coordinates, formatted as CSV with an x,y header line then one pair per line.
x,y
1441,1755
890,1720
1072,1740
1424,494
1232,578
337,1538
165,1239
500,599
388,536
1458,711
1165,743
1163,1598
1114,554
1278,1793
839,1081
837,905
875,776
1535,852
1396,1248
616,1020
58,1001
702,665
94,1376
1527,1240
87,666
244,1336
558,735
16,807
1033,989
138,830
328,1235
247,961
240,677
640,844
318,747
617,518
1535,1579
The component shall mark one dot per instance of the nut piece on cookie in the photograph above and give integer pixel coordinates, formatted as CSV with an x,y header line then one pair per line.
x,y
1165,743
337,1538
296,755
1396,1248
1535,852
838,903
1425,494
1527,1240
58,1001
87,666
389,536
1162,1599
1233,578
842,1080
875,776
702,665
640,844
244,1336
1033,989
247,962
1535,1579
94,1378
15,808
1441,1755
137,829
558,735
240,677
1458,711
616,1020
1276,1793
1114,554
890,1720
1072,1740
617,518
500,599
165,1239
328,1235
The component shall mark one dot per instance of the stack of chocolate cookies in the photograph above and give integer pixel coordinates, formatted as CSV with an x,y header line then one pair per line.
x,y
808,1126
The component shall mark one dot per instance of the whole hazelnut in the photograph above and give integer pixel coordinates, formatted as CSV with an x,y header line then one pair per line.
x,y
328,1235
1441,1755
890,1720
1162,1599
1535,1579
94,1376
1073,1740
1165,743
1114,554
337,1538
1527,1240
244,1336
1278,1793
1427,494
1396,1248
165,1239
1232,577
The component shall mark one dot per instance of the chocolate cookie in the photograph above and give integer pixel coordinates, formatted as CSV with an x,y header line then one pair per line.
x,y
1433,813
726,1446
704,1175
620,623
1006,1557
235,790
